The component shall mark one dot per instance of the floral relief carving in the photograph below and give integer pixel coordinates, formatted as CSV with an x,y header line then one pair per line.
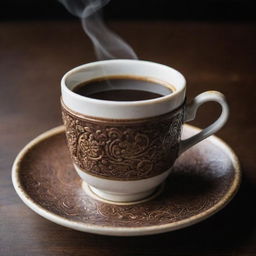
x,y
124,151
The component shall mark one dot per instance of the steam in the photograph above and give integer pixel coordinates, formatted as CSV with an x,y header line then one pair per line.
x,y
107,44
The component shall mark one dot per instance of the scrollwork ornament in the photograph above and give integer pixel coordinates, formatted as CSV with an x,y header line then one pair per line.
x,y
123,151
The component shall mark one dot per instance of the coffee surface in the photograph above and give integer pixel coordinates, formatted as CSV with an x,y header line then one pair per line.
x,y
124,95
122,89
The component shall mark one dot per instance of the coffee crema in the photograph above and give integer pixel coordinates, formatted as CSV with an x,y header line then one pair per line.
x,y
122,88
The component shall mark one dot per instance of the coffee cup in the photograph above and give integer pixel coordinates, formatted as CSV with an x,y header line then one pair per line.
x,y
125,149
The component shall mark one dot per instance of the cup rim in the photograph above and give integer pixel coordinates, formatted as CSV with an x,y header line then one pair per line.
x,y
122,103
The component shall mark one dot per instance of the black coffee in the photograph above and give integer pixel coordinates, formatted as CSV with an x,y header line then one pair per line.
x,y
122,89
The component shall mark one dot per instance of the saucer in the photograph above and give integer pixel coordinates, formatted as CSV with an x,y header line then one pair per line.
x,y
203,180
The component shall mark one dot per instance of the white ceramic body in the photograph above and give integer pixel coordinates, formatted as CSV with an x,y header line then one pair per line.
x,y
122,109
116,190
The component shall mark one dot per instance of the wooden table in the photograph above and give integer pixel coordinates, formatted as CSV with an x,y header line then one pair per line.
x,y
33,58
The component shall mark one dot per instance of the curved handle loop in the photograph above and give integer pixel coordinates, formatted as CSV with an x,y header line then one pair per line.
x,y
190,114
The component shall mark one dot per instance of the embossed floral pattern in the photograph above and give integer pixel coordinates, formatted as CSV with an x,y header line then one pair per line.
x,y
126,150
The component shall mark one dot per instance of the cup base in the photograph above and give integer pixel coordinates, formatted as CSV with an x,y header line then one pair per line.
x,y
116,197
121,199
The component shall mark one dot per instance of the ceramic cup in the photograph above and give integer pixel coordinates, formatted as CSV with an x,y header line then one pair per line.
x,y
125,149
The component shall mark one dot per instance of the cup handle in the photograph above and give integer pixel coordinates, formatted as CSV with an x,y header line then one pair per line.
x,y
190,114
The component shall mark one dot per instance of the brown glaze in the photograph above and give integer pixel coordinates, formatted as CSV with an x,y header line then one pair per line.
x,y
200,179
123,150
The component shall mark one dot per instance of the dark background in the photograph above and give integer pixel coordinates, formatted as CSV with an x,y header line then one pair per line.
x,y
212,10
213,43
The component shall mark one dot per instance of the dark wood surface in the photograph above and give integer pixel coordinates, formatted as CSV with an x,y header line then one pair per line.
x,y
33,58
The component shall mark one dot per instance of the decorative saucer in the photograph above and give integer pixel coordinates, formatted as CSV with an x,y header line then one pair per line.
x,y
203,180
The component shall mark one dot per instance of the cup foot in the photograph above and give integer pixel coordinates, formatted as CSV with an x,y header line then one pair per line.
x,y
116,197
120,198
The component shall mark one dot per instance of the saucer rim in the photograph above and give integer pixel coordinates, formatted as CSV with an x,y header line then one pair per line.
x,y
125,231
